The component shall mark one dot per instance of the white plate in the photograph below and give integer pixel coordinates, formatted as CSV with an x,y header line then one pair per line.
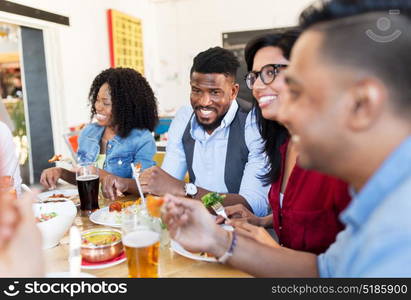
x,y
100,216
106,265
180,250
68,192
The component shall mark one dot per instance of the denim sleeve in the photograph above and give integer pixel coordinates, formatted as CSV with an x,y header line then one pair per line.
x,y
175,160
252,188
146,150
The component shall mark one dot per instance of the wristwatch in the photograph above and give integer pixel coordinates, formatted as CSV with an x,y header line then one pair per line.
x,y
190,189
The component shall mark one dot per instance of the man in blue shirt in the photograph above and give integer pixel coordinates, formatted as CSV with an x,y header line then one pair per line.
x,y
348,110
216,140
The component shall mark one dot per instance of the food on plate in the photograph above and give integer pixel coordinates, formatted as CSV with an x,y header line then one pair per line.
x,y
62,198
56,157
100,238
119,205
115,206
46,216
154,205
113,215
58,196
52,201
212,198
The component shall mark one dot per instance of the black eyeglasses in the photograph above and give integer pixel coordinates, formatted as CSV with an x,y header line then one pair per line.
x,y
267,74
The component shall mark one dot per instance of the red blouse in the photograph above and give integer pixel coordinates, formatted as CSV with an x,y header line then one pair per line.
x,y
308,219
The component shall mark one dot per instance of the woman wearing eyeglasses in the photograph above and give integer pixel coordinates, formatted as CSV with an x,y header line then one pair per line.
x,y
305,204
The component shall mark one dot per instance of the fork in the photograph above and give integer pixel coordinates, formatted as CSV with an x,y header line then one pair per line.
x,y
136,173
219,210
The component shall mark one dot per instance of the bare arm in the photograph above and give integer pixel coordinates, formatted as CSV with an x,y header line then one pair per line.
x,y
240,213
68,176
191,225
263,261
158,182
50,176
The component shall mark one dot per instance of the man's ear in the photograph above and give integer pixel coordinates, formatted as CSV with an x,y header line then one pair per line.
x,y
234,91
366,102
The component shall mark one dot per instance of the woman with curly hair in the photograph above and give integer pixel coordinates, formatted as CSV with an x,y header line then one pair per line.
x,y
125,108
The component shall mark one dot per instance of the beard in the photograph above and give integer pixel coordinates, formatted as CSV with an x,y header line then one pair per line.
x,y
211,126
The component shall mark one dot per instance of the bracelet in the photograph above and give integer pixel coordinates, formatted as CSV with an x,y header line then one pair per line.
x,y
222,259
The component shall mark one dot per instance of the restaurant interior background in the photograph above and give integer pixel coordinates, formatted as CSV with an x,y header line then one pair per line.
x,y
57,62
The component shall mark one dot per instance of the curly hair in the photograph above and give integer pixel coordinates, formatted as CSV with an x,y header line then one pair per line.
x,y
273,133
133,102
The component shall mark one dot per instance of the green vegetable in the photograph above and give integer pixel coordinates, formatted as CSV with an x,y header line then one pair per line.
x,y
212,198
163,225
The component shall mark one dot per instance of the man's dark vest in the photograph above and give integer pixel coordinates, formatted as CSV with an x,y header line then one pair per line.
x,y
237,151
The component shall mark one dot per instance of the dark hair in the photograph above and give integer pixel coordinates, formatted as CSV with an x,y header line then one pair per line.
x,y
133,102
273,133
216,60
349,27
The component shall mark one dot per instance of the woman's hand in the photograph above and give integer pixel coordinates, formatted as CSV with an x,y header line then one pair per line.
x,y
257,233
50,176
241,213
192,226
113,186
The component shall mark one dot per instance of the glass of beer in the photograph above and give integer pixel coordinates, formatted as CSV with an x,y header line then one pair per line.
x,y
141,240
88,187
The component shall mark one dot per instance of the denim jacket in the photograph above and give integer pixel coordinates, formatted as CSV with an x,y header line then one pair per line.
x,y
138,146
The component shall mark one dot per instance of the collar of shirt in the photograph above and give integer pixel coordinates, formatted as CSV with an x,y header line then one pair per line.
x,y
197,131
98,134
391,173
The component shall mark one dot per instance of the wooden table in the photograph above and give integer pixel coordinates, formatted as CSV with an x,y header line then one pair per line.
x,y
171,264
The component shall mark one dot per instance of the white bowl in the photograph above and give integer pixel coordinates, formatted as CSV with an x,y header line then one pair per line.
x,y
54,229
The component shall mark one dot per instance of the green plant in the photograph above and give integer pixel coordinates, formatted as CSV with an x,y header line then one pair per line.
x,y
17,115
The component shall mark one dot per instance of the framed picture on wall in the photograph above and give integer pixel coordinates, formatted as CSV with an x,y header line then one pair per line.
x,y
125,41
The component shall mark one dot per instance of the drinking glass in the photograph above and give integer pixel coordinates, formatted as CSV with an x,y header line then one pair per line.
x,y
87,178
141,240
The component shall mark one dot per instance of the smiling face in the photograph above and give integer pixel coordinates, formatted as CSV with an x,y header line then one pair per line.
x,y
314,107
268,96
103,106
211,97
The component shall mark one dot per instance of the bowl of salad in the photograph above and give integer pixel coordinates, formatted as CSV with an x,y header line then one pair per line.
x,y
53,220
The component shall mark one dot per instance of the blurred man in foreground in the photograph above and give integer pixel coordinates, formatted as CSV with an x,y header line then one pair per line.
x,y
20,240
